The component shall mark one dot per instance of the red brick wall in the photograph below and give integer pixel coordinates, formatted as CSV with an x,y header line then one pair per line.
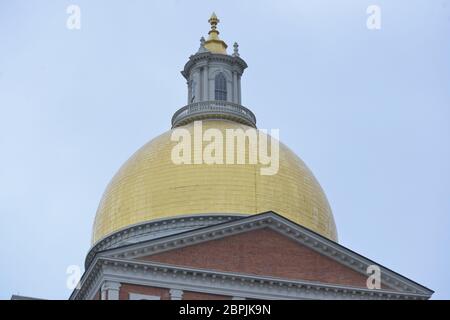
x,y
262,252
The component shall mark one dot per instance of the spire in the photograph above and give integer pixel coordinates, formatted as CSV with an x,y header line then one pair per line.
x,y
202,46
214,44
236,50
214,21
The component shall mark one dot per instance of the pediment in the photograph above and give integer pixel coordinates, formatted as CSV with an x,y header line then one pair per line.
x,y
265,245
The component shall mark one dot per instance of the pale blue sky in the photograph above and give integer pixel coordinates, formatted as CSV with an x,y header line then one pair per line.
x,y
368,111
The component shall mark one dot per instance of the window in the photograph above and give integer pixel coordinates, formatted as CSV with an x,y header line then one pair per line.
x,y
136,296
221,87
193,88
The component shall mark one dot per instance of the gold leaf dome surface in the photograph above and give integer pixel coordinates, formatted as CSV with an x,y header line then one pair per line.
x,y
149,186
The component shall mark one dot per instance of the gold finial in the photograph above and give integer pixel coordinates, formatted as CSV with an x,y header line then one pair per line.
x,y
214,21
214,43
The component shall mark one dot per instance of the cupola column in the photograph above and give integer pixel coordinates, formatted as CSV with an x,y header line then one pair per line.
x,y
205,96
235,88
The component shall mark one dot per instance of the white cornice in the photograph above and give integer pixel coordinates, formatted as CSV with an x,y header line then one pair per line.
x,y
221,283
207,57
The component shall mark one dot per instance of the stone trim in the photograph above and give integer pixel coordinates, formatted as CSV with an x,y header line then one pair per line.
x,y
176,294
208,57
110,290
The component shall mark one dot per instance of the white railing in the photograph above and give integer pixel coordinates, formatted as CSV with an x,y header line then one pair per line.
x,y
213,109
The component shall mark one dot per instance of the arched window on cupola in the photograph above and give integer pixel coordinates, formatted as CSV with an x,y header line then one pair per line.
x,y
220,87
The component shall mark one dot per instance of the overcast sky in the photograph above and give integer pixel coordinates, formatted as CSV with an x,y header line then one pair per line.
x,y
367,110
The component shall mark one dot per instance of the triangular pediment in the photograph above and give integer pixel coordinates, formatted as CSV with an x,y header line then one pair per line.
x,y
261,252
265,245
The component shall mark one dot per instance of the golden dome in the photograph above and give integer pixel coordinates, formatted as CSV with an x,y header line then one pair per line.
x,y
150,186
